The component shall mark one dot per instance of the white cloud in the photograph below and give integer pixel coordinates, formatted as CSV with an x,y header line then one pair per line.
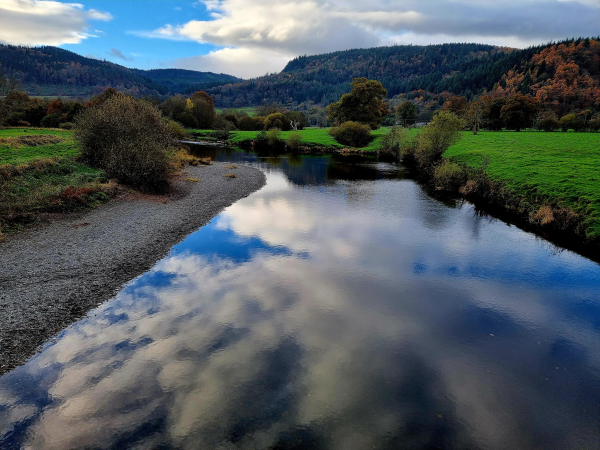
x,y
242,62
33,22
289,28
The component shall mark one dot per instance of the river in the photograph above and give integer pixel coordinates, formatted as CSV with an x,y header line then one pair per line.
x,y
340,307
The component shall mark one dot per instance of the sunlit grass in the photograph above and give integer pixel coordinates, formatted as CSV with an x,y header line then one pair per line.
x,y
557,167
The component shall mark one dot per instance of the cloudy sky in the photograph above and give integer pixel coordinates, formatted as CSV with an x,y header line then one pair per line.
x,y
249,38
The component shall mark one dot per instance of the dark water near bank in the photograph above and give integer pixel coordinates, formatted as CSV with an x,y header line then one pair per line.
x,y
340,307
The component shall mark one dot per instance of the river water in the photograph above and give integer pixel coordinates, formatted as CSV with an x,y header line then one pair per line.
x,y
340,307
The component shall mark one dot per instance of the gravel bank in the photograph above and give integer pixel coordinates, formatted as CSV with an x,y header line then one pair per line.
x,y
52,275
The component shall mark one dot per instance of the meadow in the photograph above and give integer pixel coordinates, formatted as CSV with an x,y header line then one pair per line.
x,y
44,178
18,154
561,168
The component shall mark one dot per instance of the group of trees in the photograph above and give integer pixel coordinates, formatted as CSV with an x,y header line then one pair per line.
x,y
508,111
18,109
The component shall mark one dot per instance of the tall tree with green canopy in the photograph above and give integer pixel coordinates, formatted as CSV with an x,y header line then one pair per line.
x,y
365,104
407,110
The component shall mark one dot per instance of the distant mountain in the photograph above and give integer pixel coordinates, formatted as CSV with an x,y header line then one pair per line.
x,y
186,81
53,71
324,78
459,69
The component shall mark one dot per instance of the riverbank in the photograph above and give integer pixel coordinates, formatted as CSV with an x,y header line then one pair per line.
x,y
52,275
543,182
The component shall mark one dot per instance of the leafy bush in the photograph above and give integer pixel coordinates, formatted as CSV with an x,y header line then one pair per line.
x,y
353,134
393,142
67,126
50,121
449,176
274,137
549,123
223,132
278,121
177,130
248,123
437,137
294,140
128,139
568,122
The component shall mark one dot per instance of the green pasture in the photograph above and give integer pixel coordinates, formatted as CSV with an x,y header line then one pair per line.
x,y
12,155
556,167
250,110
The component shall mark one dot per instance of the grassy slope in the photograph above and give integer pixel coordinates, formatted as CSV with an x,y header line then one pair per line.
x,y
9,155
37,189
558,167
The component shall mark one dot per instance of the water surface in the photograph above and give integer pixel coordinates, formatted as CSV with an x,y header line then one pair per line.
x,y
340,307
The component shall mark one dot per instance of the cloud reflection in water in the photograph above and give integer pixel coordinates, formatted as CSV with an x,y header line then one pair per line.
x,y
350,313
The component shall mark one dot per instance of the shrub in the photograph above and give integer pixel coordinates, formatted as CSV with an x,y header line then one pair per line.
x,y
595,123
128,139
353,134
67,126
274,137
449,176
294,140
548,123
278,121
568,122
177,130
393,142
50,121
437,137
248,123
223,133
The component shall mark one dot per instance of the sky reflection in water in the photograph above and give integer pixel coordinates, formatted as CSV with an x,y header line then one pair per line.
x,y
339,307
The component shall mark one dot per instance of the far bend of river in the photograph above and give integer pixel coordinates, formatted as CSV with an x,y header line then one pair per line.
x,y
340,307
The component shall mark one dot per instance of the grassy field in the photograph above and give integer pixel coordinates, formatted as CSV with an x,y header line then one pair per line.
x,y
558,167
44,178
250,110
10,154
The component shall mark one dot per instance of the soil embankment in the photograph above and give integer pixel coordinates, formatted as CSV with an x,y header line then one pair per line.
x,y
54,274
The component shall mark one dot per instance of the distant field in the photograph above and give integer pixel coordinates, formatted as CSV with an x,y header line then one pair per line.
x,y
562,167
10,155
247,109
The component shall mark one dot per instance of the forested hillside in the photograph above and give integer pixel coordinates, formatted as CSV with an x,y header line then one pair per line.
x,y
53,71
457,69
564,77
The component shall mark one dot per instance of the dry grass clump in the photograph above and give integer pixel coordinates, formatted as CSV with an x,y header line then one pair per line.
x,y
229,175
545,215
193,180
8,171
195,161
31,141
232,166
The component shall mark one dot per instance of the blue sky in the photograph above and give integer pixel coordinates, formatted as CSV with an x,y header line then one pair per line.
x,y
131,17
249,38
